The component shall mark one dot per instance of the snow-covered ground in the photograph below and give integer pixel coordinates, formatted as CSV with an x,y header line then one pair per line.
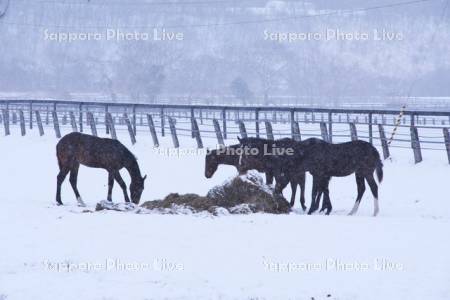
x,y
404,253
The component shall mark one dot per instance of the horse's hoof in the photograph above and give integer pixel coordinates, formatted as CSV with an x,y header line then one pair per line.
x,y
59,203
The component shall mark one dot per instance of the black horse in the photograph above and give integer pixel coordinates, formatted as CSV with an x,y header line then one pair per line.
x,y
77,148
275,157
325,160
226,156
231,156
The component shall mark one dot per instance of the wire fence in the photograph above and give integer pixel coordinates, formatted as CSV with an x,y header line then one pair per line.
x,y
417,130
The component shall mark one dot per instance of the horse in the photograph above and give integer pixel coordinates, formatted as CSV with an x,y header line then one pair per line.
x,y
226,156
272,156
76,148
325,160
230,156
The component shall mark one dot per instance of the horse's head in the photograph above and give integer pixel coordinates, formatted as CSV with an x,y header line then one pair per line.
x,y
211,163
136,189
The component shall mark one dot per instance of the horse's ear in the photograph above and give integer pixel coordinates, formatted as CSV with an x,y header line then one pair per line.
x,y
145,177
239,139
208,151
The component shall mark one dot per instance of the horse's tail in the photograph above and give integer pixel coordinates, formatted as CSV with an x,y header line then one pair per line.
x,y
379,170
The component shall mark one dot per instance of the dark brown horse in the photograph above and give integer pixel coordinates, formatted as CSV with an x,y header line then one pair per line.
x,y
231,156
77,148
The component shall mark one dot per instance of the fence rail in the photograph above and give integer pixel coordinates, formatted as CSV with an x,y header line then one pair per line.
x,y
424,130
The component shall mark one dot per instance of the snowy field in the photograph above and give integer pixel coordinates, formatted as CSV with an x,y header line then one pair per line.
x,y
404,253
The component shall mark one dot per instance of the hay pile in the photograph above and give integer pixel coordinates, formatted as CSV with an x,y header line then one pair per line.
x,y
241,195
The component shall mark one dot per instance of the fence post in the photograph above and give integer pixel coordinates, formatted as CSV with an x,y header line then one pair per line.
x,y
39,123
162,121
5,113
106,119
370,129
384,143
353,131
218,132
22,123
192,123
295,130
91,121
196,133
56,124
31,115
151,127
110,124
447,142
257,122
242,129
73,122
323,131
224,123
80,113
415,144
134,119
330,127
173,132
130,128
269,132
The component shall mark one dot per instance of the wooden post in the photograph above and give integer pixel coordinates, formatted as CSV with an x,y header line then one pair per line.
x,y
39,122
106,119
196,133
91,121
130,128
134,119
384,143
5,113
370,129
56,124
192,123
162,121
173,132
224,124
73,122
323,131
330,127
269,132
218,132
31,115
415,144
447,142
151,127
353,132
110,124
242,129
80,112
295,129
257,122
22,123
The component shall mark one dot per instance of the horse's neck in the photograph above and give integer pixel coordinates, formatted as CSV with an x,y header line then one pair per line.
x,y
228,159
133,168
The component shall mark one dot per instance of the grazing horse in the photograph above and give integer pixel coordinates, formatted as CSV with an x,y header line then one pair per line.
x,y
77,148
273,156
325,160
231,156
226,156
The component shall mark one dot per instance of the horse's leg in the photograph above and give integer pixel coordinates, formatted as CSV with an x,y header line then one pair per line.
x,y
314,193
110,185
122,185
361,188
73,182
269,178
301,181
326,198
294,191
374,188
59,180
